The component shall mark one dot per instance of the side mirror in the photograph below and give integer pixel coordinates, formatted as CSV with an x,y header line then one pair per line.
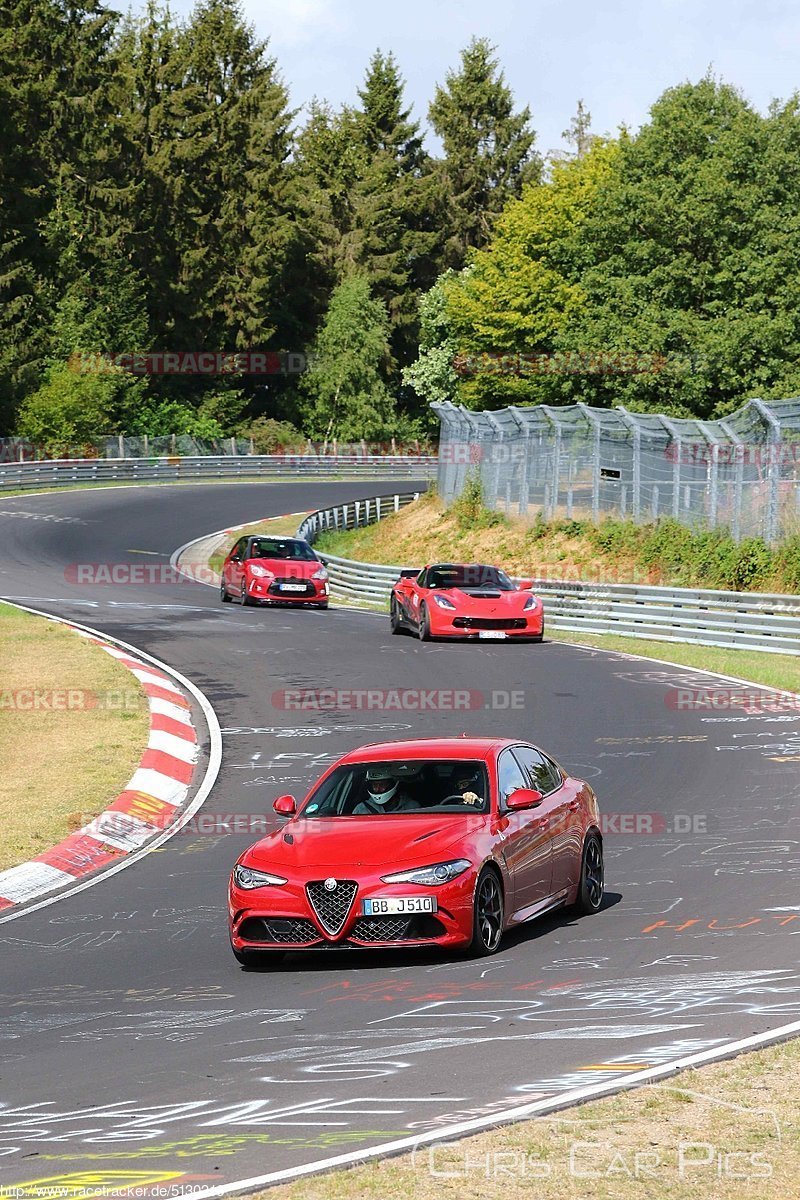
x,y
523,798
323,559
235,558
526,585
285,806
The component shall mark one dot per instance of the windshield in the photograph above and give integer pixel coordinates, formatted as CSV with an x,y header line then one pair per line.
x,y
403,786
290,548
474,575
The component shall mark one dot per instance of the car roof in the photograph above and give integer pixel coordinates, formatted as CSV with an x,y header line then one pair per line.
x,y
275,537
449,747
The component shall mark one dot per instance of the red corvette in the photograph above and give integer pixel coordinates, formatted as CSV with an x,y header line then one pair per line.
x,y
465,601
441,842
274,570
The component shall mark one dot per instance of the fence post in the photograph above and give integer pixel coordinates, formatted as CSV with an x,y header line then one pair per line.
x,y
635,428
774,469
594,422
121,445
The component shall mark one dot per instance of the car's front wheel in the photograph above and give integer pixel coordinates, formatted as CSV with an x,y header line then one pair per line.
x,y
244,599
395,624
591,886
488,915
253,960
424,628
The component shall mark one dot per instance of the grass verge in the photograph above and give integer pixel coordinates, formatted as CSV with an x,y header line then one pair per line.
x,y
730,1131
66,757
276,525
613,551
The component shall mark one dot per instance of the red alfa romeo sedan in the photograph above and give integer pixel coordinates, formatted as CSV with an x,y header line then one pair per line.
x,y
442,842
274,570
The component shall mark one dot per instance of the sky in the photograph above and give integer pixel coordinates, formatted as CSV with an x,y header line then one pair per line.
x,y
615,56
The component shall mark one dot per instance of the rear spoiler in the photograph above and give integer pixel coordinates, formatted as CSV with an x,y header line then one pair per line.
x,y
409,572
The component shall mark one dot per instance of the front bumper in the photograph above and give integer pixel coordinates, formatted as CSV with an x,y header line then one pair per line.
x,y
283,918
268,591
472,626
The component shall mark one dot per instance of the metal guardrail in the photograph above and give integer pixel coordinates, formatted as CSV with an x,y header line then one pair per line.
x,y
737,620
67,472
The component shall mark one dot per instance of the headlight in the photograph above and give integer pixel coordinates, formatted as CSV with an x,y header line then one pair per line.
x,y
246,877
320,574
531,602
443,602
431,876
260,572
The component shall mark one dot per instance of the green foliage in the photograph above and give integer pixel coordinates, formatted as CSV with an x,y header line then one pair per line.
x,y
470,508
270,436
697,558
345,395
488,148
74,406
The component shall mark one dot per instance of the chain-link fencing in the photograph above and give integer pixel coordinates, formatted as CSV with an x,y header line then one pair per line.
x,y
741,473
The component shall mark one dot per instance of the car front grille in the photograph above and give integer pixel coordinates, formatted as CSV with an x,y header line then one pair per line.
x,y
275,587
489,622
396,929
287,931
331,905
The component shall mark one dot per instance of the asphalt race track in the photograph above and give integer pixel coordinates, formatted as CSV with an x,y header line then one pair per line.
x,y
132,1045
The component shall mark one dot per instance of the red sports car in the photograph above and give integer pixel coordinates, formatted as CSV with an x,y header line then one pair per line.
x,y
465,600
440,842
274,570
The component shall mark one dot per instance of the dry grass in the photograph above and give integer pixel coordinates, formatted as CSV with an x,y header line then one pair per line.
x,y
275,525
426,532
58,768
738,1123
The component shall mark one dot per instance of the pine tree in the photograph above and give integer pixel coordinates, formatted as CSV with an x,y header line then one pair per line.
x,y
579,134
345,394
488,147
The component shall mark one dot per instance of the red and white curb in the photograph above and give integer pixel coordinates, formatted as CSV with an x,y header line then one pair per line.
x,y
152,807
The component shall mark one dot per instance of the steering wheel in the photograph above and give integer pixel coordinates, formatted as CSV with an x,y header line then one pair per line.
x,y
458,798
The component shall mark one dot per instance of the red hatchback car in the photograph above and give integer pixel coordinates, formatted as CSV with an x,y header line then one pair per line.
x,y
274,570
440,842
465,600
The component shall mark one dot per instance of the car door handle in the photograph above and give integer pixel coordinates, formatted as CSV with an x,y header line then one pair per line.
x,y
574,805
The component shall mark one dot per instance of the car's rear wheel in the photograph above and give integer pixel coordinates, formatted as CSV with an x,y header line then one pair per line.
x,y
488,915
254,960
395,621
591,886
424,627
224,594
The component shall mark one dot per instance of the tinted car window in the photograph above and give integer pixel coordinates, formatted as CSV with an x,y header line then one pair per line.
x,y
543,775
283,548
510,776
469,575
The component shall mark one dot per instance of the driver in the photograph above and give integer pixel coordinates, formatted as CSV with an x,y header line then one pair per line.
x,y
384,794
465,782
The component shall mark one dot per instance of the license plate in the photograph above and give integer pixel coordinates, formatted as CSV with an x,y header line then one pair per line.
x,y
293,587
396,905
492,635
